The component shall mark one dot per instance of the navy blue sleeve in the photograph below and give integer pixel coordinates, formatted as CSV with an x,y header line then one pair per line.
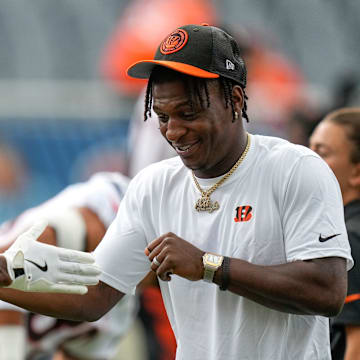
x,y
350,314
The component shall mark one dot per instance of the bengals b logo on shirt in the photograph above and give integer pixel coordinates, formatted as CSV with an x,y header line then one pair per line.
x,y
243,213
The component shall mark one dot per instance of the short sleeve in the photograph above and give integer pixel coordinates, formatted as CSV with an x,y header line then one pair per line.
x,y
121,252
313,213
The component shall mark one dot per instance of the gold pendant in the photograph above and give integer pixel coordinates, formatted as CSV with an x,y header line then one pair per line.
x,y
205,204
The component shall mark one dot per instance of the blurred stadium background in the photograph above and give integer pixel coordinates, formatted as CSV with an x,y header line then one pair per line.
x,y
61,119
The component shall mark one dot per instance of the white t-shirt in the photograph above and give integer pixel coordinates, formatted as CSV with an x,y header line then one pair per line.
x,y
146,144
294,197
102,193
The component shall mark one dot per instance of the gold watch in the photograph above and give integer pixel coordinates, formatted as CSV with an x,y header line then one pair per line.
x,y
211,263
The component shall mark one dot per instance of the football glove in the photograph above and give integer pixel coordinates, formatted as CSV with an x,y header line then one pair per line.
x,y
37,267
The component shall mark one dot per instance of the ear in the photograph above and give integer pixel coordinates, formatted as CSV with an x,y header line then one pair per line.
x,y
354,179
238,98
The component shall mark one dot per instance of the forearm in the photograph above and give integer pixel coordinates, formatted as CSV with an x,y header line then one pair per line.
x,y
88,307
62,306
95,229
302,287
5,279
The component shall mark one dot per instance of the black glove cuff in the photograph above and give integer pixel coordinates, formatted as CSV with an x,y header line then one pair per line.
x,y
18,272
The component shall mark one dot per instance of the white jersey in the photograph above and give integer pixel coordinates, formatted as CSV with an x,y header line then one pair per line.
x,y
102,194
97,340
273,209
146,144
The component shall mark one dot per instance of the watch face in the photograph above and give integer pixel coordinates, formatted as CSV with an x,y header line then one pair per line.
x,y
213,260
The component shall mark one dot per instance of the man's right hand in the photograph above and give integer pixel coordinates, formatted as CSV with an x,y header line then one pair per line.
x,y
37,267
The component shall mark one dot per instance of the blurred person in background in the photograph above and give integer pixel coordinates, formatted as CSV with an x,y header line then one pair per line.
x,y
314,106
12,170
20,187
337,140
78,218
275,81
144,143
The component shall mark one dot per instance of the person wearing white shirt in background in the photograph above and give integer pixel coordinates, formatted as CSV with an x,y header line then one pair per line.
x,y
77,219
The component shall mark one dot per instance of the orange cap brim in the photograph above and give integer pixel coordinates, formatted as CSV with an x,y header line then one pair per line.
x,y
142,69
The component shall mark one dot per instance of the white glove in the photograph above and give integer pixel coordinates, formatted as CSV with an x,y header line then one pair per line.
x,y
34,266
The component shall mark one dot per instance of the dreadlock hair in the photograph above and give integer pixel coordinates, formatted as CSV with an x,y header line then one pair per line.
x,y
195,87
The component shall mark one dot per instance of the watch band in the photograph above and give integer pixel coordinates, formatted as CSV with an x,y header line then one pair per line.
x,y
211,263
225,274
209,275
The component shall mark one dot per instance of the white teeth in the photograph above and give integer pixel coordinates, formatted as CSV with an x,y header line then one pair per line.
x,y
184,148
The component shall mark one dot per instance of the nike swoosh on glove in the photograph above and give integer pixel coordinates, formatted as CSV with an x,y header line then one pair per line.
x,y
37,267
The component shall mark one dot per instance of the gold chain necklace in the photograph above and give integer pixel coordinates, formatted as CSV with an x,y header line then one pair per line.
x,y
205,203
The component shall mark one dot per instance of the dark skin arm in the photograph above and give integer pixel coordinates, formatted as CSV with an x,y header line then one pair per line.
x,y
313,287
5,279
89,307
93,305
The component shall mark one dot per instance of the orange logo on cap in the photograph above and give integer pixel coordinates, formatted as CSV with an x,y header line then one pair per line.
x,y
174,42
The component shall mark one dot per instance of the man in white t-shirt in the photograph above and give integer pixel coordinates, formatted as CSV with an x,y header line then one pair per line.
x,y
246,232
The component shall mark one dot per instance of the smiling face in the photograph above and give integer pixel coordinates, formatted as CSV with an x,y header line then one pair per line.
x,y
331,142
206,138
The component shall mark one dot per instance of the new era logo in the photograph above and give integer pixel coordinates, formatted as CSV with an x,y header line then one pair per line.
x,y
229,65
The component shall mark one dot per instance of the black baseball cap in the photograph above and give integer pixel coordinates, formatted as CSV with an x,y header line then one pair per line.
x,y
198,50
